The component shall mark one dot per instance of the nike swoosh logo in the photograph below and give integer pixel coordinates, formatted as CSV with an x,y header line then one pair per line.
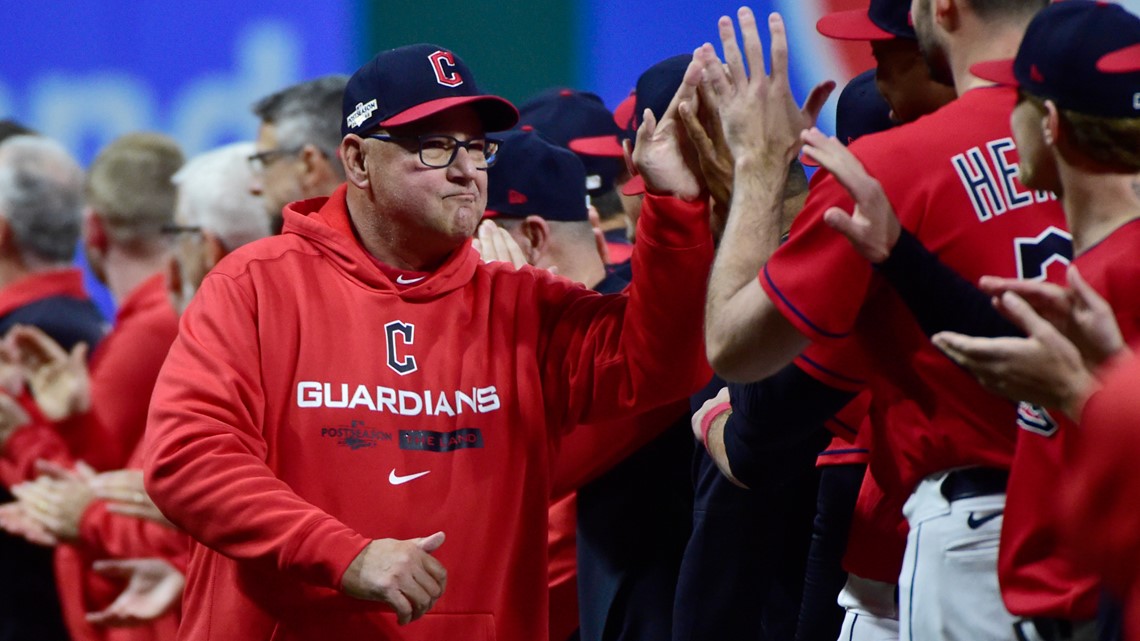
x,y
400,480
408,281
975,523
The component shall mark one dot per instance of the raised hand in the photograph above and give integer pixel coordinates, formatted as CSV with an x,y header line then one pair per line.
x,y
58,379
124,493
663,155
1045,368
760,116
873,228
704,130
401,573
1078,312
153,587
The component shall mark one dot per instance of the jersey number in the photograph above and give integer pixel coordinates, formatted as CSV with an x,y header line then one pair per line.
x,y
1035,255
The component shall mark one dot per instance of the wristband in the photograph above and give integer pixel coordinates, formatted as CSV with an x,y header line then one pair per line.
x,y
707,420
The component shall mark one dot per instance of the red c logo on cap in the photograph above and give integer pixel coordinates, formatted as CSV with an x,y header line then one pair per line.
x,y
445,76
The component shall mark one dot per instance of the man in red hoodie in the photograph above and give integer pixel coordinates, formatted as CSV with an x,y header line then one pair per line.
x,y
342,395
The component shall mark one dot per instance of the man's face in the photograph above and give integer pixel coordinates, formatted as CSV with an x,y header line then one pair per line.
x,y
933,49
279,180
190,262
903,79
1036,167
438,207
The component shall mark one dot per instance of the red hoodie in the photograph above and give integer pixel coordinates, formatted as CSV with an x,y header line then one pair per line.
x,y
310,405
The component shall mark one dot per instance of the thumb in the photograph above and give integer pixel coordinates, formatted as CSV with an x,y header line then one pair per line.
x,y
78,354
841,222
431,543
85,471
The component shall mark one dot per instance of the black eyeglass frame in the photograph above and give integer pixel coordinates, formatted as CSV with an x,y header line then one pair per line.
x,y
455,146
260,161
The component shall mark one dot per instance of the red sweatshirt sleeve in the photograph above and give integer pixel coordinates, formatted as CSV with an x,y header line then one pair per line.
x,y
104,534
590,451
37,440
205,461
613,355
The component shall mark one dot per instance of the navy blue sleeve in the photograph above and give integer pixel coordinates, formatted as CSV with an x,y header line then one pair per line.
x,y
939,298
776,426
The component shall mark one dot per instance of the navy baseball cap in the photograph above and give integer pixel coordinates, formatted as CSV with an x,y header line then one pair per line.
x,y
534,176
1082,55
611,145
883,20
655,90
403,85
565,116
861,110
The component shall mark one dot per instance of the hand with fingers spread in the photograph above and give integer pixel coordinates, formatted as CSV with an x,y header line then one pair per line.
x,y
496,244
873,228
58,498
58,379
761,119
403,574
124,493
154,586
1078,312
15,520
662,154
704,130
1044,369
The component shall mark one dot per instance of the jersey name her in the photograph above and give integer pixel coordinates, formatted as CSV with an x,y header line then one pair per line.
x,y
988,174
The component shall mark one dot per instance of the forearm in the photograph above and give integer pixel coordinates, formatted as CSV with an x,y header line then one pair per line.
x,y
939,298
776,419
746,337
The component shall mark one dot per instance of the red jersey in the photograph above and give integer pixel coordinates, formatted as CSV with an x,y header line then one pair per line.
x,y
310,405
1036,564
951,178
1098,501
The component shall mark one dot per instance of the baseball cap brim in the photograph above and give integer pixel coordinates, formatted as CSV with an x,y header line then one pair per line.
x,y
1126,60
633,187
608,146
851,25
497,113
999,71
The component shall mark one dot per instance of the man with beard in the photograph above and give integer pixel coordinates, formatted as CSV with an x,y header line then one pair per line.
x,y
936,434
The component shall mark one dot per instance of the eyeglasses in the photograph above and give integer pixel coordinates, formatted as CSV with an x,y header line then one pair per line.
x,y
259,161
439,151
173,229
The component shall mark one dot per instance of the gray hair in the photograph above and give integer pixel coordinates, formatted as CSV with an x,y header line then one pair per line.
x,y
41,196
213,194
307,113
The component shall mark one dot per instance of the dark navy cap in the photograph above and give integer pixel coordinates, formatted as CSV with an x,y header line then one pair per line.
x,y
657,86
403,85
655,90
1082,55
861,109
611,145
882,20
564,116
533,176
